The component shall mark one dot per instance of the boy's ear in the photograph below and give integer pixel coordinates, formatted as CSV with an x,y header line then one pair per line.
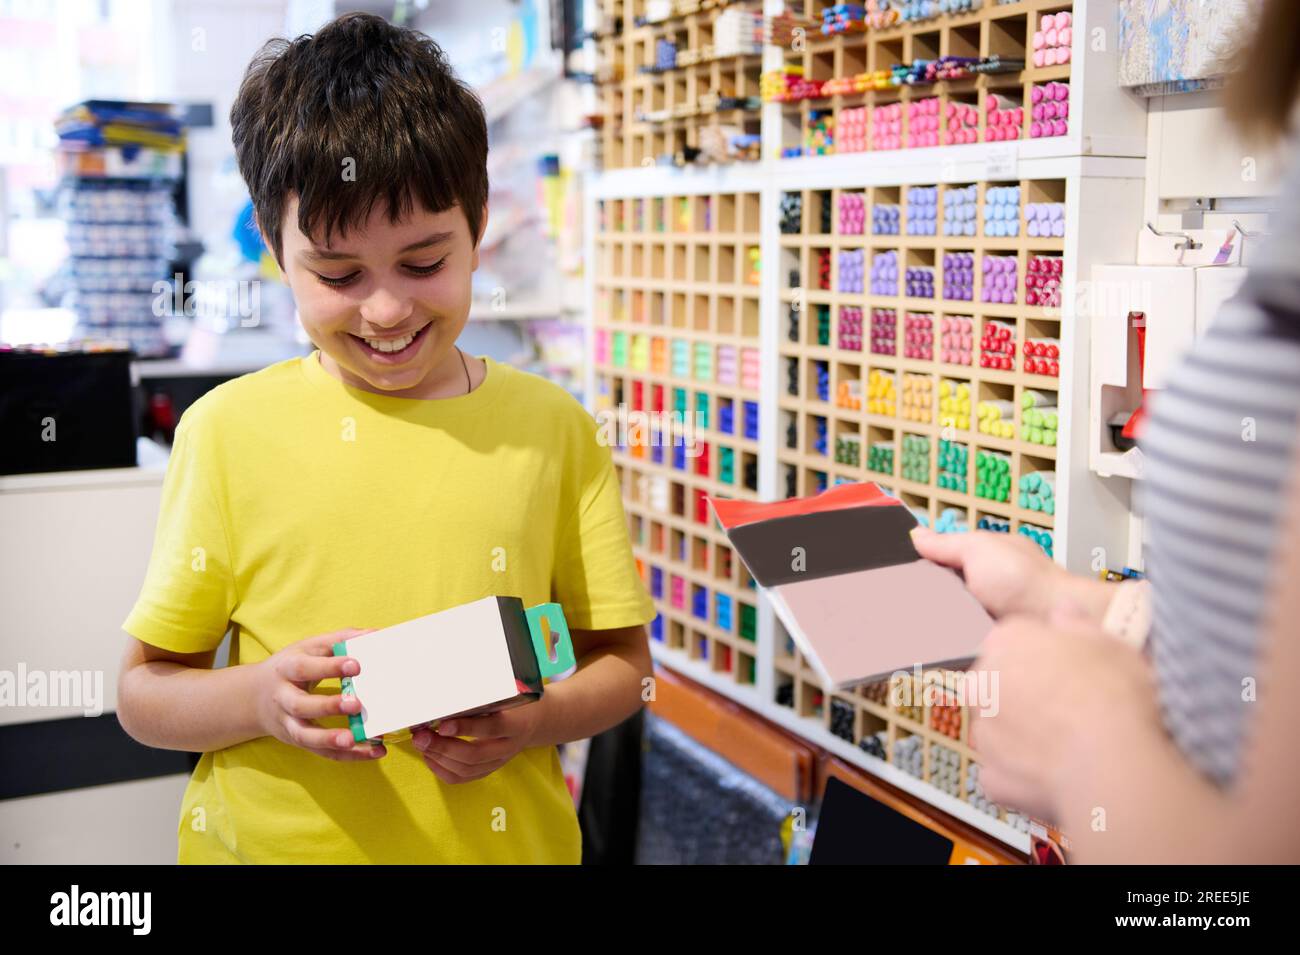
x,y
478,239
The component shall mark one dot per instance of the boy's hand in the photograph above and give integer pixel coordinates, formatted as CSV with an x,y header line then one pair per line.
x,y
496,739
287,709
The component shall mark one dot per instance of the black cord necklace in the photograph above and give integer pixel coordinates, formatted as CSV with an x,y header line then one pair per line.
x,y
468,384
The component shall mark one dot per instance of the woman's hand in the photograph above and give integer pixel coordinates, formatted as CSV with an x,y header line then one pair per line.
x,y
1007,573
1066,693
496,738
287,709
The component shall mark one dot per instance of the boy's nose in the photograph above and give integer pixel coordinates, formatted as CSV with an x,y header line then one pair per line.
x,y
383,308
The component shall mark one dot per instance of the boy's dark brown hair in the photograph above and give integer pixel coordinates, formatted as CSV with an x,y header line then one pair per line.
x,y
359,89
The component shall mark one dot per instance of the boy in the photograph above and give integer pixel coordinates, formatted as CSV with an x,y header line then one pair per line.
x,y
387,476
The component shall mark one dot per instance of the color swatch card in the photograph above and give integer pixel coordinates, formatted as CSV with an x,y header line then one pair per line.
x,y
488,655
850,588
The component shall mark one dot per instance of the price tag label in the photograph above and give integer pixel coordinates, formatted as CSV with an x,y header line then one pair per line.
x,y
1001,162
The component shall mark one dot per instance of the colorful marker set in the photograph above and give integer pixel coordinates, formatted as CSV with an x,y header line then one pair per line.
x,y
1037,491
1045,220
1043,280
915,460
665,54
874,744
961,126
851,132
997,417
993,476
880,457
1042,357
918,399
1051,41
1051,110
884,273
843,18
960,210
918,281
1004,118
887,127
954,404
951,520
922,210
791,213
848,395
998,346
923,122
908,755
953,461
724,616
819,137
852,264
885,219
1002,211
1000,280
848,449
959,276
1039,535
881,393
975,792
849,332
945,762
957,333
918,335
884,331
853,213
738,366
1038,417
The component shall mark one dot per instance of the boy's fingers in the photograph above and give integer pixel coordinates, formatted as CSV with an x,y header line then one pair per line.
x,y
444,774
469,754
357,755
314,706
310,736
323,644
450,771
302,668
491,726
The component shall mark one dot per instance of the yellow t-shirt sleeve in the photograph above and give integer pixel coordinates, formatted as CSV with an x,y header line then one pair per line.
x,y
596,580
188,593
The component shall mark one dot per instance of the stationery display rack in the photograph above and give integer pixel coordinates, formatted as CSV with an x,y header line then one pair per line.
x,y
887,298
676,78
862,99
678,340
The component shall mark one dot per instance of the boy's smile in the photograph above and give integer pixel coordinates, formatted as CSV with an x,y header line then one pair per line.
x,y
394,349
386,301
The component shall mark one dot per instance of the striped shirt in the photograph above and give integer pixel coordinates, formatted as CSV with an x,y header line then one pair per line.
x,y
1219,446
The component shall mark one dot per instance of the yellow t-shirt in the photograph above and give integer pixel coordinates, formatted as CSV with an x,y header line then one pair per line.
x,y
296,505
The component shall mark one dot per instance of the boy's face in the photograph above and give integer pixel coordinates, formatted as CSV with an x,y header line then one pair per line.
x,y
386,302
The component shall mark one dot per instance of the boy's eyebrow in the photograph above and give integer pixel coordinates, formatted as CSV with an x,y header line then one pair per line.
x,y
436,238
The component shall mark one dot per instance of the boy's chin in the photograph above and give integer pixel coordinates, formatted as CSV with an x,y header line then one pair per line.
x,y
378,376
